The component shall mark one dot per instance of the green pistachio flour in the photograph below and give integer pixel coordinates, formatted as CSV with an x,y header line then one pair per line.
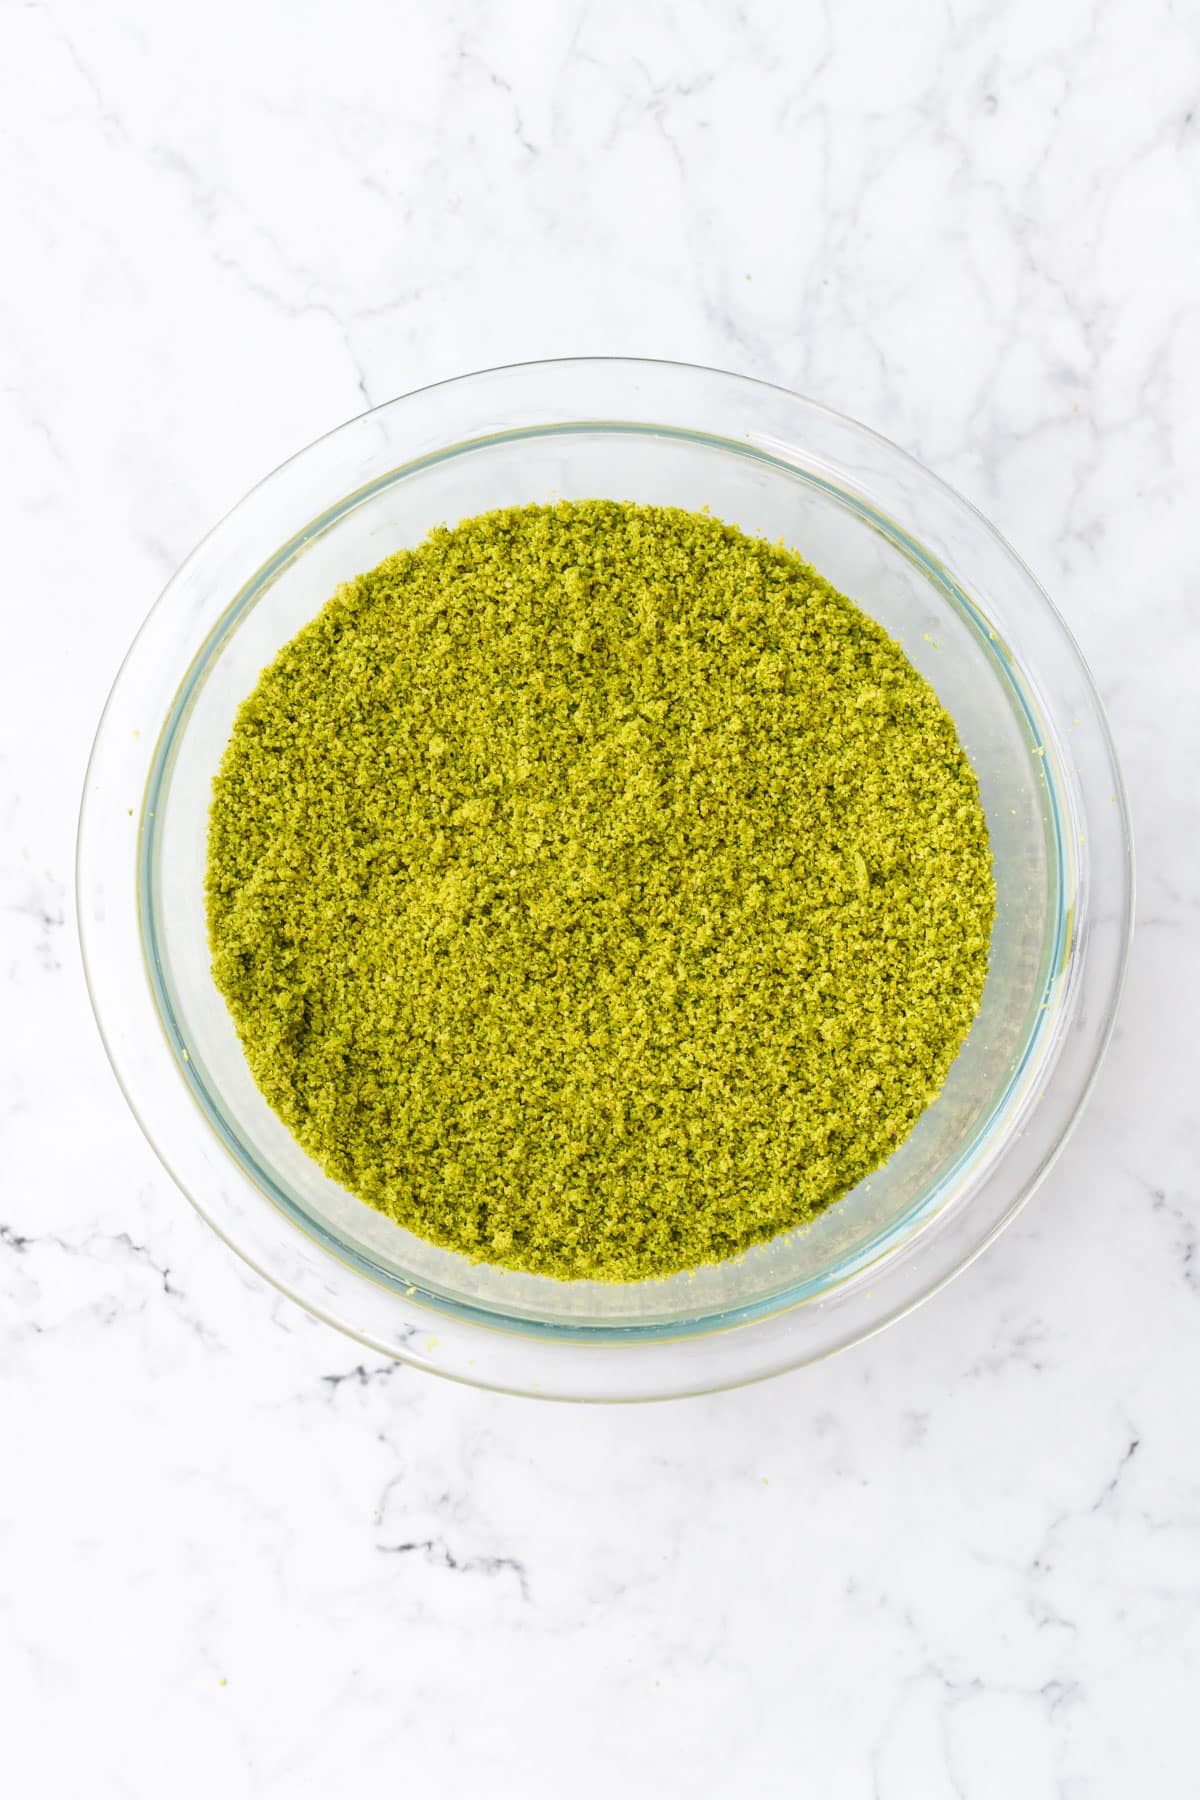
x,y
596,891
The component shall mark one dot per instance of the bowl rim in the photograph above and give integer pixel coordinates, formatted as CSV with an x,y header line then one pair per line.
x,y
402,1338
785,1292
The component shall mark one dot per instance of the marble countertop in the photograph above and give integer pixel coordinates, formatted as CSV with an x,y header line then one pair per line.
x,y
239,1556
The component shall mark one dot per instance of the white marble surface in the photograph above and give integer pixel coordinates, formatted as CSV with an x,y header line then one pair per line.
x,y
238,1558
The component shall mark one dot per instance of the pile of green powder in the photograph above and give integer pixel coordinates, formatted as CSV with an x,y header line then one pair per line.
x,y
596,891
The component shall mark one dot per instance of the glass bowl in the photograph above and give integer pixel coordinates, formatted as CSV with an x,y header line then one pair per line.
x,y
918,559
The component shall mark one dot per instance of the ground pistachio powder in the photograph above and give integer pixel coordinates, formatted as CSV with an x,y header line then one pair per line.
x,y
596,891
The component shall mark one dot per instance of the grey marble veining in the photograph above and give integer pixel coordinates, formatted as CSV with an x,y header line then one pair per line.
x,y
237,1554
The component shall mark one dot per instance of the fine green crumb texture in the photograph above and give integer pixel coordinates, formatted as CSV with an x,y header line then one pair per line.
x,y
596,891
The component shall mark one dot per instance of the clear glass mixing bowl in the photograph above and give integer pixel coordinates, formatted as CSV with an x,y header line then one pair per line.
x,y
884,530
